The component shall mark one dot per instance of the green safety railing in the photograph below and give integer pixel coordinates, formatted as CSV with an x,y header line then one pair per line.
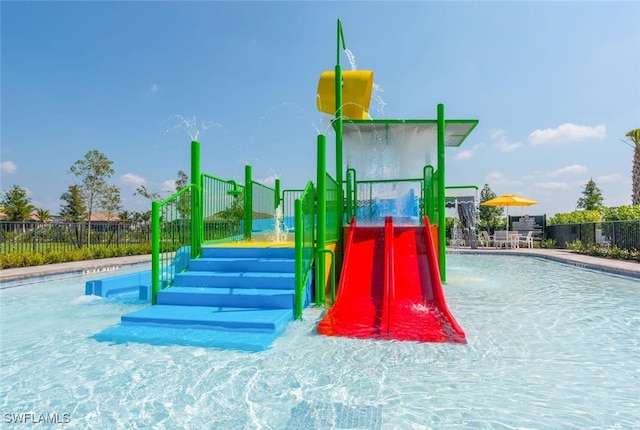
x,y
305,214
171,236
361,195
288,203
428,197
263,202
210,209
260,202
223,209
333,208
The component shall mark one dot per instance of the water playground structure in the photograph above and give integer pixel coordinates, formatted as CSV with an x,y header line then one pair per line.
x,y
233,263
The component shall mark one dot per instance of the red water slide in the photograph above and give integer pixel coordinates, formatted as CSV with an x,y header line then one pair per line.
x,y
390,288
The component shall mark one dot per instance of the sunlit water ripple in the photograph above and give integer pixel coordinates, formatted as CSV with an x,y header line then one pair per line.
x,y
549,346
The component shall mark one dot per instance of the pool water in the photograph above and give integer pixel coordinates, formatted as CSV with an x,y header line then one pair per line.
x,y
549,346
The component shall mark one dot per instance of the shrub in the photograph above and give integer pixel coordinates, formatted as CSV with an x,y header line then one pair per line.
x,y
548,243
27,259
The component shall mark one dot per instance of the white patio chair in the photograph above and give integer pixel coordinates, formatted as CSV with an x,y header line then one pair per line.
x,y
528,239
500,238
484,238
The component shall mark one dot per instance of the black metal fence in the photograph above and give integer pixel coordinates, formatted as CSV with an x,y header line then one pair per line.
x,y
49,236
621,234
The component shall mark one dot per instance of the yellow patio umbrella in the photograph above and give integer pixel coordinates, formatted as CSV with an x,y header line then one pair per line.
x,y
507,200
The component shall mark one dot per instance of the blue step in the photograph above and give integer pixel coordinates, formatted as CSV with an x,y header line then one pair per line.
x,y
248,252
233,297
235,280
252,341
211,317
242,264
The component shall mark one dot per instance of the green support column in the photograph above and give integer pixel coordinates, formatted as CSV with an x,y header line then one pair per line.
x,y
196,198
248,202
277,188
338,128
298,302
155,251
322,218
442,228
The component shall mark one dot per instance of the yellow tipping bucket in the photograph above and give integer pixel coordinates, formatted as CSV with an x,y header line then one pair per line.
x,y
356,93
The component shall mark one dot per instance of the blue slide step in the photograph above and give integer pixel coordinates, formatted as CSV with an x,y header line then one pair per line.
x,y
235,280
234,297
234,264
242,340
211,317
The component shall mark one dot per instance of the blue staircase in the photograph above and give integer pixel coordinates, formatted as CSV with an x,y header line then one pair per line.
x,y
232,297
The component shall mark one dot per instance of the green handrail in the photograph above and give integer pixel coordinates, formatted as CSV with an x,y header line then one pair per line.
x,y
305,214
172,228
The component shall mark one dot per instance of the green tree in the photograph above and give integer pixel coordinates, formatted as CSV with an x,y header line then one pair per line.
x,y
74,209
575,217
43,215
235,212
142,191
125,216
633,138
591,199
182,181
17,204
110,202
490,216
622,213
92,173
184,200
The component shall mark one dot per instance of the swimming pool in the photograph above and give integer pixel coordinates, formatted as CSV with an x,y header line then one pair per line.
x,y
549,346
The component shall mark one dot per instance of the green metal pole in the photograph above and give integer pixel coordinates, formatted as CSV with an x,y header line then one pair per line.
x,y
248,201
427,199
277,188
155,251
349,178
196,198
441,195
322,217
338,85
298,238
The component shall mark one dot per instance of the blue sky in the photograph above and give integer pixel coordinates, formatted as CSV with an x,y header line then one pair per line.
x,y
555,86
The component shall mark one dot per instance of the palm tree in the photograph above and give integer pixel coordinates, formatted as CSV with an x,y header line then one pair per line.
x,y
125,216
43,215
634,140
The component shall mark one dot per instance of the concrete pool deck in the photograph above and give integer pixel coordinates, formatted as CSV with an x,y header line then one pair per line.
x,y
37,273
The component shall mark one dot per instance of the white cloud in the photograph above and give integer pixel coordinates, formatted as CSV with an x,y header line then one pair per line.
x,y
168,186
502,143
466,154
568,170
551,185
566,133
608,179
497,134
269,181
133,179
463,155
497,178
8,167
